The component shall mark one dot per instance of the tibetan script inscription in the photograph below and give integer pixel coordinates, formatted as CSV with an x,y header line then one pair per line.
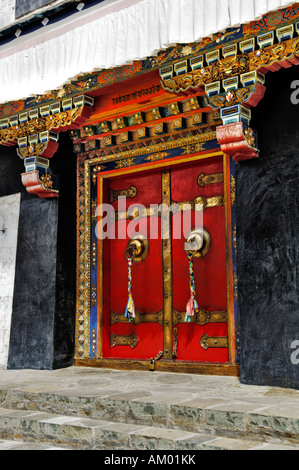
x,y
137,94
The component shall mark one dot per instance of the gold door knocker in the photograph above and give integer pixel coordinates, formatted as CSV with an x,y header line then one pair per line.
x,y
198,243
137,249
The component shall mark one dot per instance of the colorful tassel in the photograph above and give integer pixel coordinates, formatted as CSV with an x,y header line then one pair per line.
x,y
192,304
130,309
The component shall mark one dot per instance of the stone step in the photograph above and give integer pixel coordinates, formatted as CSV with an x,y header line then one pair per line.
x,y
28,430
86,433
212,416
225,443
6,444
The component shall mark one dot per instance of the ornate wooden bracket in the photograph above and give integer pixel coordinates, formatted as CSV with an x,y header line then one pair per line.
x,y
36,133
232,71
238,141
236,137
234,81
36,151
43,186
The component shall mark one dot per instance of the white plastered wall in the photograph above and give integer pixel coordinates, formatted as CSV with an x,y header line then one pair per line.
x,y
9,221
7,12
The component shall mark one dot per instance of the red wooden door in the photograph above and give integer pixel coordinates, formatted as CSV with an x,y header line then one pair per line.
x,y
144,337
147,282
209,271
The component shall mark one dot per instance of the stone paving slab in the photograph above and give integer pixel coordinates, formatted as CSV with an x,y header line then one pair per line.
x,y
92,382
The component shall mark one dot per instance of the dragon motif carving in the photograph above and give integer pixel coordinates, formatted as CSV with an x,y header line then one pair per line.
x,y
35,126
234,66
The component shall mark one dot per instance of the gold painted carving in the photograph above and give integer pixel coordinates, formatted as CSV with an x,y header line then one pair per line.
x,y
35,126
233,66
32,150
223,69
188,143
233,189
236,96
84,259
249,136
46,181
193,148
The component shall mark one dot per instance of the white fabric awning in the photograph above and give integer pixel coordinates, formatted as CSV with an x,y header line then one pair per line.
x,y
114,33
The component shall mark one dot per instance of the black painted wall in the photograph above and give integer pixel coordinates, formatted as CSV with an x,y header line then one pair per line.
x,y
64,164
267,240
43,315
31,339
11,167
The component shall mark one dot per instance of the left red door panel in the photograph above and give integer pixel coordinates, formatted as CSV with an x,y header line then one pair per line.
x,y
118,333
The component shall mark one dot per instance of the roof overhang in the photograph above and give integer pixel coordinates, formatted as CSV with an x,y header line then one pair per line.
x,y
113,33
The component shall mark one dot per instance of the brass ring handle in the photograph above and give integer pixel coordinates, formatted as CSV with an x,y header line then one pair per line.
x,y
133,250
195,242
198,243
137,249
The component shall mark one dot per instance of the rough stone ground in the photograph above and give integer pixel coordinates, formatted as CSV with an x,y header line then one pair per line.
x,y
101,409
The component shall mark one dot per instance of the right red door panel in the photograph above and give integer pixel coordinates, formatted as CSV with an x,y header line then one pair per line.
x,y
204,179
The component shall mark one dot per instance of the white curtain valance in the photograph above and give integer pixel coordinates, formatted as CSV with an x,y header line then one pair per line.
x,y
132,33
